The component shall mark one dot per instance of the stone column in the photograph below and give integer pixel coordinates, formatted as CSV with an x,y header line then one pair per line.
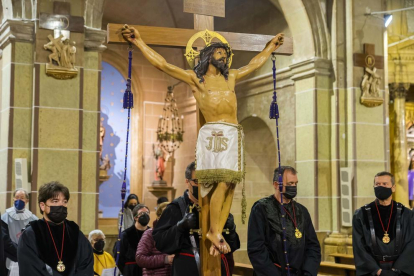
x,y
16,44
399,143
91,98
313,88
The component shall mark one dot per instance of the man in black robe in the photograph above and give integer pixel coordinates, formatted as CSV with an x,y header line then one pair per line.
x,y
383,233
265,243
130,239
53,245
171,233
8,249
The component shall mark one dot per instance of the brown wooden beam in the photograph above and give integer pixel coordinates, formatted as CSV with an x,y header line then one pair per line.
x,y
174,37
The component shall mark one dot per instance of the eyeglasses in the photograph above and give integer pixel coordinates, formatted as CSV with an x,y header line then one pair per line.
x,y
141,213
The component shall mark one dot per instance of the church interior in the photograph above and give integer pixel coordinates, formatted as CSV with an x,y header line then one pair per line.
x,y
345,98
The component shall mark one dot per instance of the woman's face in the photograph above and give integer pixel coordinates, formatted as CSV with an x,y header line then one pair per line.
x,y
132,201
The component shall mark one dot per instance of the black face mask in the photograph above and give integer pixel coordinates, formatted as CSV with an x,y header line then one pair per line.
x,y
58,214
290,192
195,192
132,206
99,245
144,219
382,193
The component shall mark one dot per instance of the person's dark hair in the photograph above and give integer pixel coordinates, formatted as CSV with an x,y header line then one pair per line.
x,y
131,196
162,200
138,207
282,171
386,173
51,190
189,170
205,57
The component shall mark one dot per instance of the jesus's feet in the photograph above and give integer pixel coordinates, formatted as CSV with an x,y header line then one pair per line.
x,y
219,242
214,251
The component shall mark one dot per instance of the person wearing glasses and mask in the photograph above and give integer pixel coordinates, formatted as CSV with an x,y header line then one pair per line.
x,y
266,247
383,233
130,239
102,259
171,233
54,245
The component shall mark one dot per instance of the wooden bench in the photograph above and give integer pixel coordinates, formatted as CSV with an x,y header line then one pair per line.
x,y
326,268
329,268
243,269
343,258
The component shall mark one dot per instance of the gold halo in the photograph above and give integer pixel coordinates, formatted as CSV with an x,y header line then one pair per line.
x,y
207,36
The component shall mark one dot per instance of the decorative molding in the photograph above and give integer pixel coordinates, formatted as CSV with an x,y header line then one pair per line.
x,y
398,90
311,68
16,30
94,40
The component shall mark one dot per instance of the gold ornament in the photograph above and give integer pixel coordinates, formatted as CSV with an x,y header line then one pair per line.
x,y
298,234
207,36
386,238
61,267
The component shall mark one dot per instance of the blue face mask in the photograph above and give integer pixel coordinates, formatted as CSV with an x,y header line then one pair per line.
x,y
19,204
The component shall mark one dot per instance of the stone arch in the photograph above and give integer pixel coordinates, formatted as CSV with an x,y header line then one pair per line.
x,y
120,62
260,149
311,30
260,158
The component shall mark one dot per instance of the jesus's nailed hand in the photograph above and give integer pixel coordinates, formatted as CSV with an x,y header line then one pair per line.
x,y
278,40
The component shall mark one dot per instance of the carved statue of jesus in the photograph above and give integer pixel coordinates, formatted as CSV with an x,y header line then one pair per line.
x,y
219,150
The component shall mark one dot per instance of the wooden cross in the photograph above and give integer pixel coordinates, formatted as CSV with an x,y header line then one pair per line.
x,y
174,37
368,58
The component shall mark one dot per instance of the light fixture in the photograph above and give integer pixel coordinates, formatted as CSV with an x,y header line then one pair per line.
x,y
387,14
170,130
387,19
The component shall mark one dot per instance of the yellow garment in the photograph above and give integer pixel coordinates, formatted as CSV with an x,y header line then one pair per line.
x,y
102,262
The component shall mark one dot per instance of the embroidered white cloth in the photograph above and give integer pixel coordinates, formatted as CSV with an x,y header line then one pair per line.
x,y
219,155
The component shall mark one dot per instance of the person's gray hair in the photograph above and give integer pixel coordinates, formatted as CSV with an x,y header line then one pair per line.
x,y
26,194
95,233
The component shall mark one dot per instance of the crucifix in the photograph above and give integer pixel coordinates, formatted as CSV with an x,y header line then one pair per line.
x,y
370,82
212,88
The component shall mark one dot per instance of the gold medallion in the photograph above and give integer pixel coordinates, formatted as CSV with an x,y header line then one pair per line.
x,y
61,267
386,238
298,234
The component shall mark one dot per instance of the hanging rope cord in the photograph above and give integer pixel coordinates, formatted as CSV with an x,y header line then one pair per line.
x,y
128,103
274,114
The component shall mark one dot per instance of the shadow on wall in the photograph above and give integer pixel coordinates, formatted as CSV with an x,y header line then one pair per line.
x,y
114,119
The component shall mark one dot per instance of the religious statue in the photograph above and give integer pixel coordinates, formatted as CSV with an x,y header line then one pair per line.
x,y
106,164
161,157
219,150
62,59
370,88
101,139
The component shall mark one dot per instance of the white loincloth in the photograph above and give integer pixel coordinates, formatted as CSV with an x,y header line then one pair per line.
x,y
219,155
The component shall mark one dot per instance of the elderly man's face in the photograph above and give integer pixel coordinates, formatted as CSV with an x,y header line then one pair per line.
x,y
22,196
